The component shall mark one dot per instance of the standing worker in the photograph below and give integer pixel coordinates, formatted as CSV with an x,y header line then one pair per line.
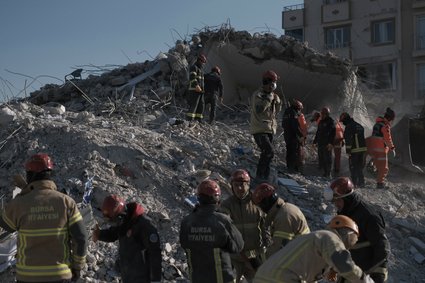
x,y
139,244
196,89
209,237
313,256
265,105
249,220
295,133
380,143
355,147
337,145
52,238
372,249
286,221
213,91
324,139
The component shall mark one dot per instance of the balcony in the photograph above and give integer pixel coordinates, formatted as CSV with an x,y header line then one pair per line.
x,y
336,11
293,16
418,4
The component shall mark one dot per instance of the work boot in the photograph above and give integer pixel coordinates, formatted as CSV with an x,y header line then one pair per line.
x,y
380,186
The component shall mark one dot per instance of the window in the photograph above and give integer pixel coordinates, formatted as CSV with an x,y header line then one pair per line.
x,y
420,32
383,32
420,81
379,76
298,34
337,37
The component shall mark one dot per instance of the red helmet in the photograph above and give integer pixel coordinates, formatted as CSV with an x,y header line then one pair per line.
x,y
38,163
342,221
325,111
339,188
202,58
261,192
270,76
216,69
297,104
112,206
209,188
240,175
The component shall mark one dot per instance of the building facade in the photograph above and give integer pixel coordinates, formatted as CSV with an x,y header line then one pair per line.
x,y
385,39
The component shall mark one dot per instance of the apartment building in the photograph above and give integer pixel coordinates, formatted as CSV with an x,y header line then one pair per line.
x,y
385,39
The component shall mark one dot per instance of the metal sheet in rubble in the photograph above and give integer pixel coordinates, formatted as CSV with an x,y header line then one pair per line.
x,y
292,186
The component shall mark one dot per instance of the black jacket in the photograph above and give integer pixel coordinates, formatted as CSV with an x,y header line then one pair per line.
x,y
325,132
290,124
208,237
213,84
354,137
139,246
372,229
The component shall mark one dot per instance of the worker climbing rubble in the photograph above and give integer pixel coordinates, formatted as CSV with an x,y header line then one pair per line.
x,y
195,99
213,91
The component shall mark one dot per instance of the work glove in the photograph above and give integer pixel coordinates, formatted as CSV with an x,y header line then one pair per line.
x,y
366,279
198,88
329,147
76,274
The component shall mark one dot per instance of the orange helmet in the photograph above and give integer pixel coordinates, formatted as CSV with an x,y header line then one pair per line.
x,y
202,58
297,104
216,69
240,175
112,206
339,188
342,221
270,76
38,163
209,188
262,192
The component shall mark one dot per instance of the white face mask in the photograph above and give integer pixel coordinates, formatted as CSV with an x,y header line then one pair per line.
x,y
273,86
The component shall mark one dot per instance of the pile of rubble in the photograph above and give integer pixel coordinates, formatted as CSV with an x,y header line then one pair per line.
x,y
125,128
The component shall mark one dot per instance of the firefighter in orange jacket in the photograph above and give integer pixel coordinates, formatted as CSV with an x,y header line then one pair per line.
x,y
380,143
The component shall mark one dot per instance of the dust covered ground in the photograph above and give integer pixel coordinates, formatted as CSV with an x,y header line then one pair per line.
x,y
135,152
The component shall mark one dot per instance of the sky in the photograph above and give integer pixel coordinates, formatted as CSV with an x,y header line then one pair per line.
x,y
48,39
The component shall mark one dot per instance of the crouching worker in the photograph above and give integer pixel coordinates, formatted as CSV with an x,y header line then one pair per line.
x,y
139,244
209,237
310,257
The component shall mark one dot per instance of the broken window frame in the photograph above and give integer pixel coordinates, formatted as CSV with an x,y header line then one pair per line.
x,y
383,32
420,80
420,32
338,37
373,74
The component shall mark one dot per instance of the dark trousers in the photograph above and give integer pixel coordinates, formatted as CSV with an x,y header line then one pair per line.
x,y
196,106
264,142
325,159
294,154
211,99
357,164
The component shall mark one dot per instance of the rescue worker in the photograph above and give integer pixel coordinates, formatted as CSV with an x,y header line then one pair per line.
x,y
337,146
286,221
379,144
265,105
325,136
195,97
295,133
139,244
318,254
372,249
213,91
52,238
249,220
355,147
209,237
316,119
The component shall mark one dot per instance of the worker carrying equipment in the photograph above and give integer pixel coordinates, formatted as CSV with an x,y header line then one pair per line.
x,y
312,256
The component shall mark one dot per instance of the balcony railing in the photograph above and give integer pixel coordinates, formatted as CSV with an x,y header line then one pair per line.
x,y
293,7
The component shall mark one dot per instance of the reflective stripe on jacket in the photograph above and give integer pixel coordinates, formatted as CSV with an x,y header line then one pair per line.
x,y
286,221
47,222
196,78
382,129
354,137
264,112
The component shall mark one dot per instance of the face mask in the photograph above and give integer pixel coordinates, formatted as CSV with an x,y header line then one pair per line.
x,y
273,86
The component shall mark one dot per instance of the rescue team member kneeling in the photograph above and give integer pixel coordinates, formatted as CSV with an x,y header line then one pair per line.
x,y
139,248
322,253
208,237
52,239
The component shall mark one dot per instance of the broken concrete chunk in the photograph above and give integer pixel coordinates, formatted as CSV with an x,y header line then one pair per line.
x,y
6,116
418,244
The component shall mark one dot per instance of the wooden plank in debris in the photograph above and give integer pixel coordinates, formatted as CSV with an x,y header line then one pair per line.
x,y
292,186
